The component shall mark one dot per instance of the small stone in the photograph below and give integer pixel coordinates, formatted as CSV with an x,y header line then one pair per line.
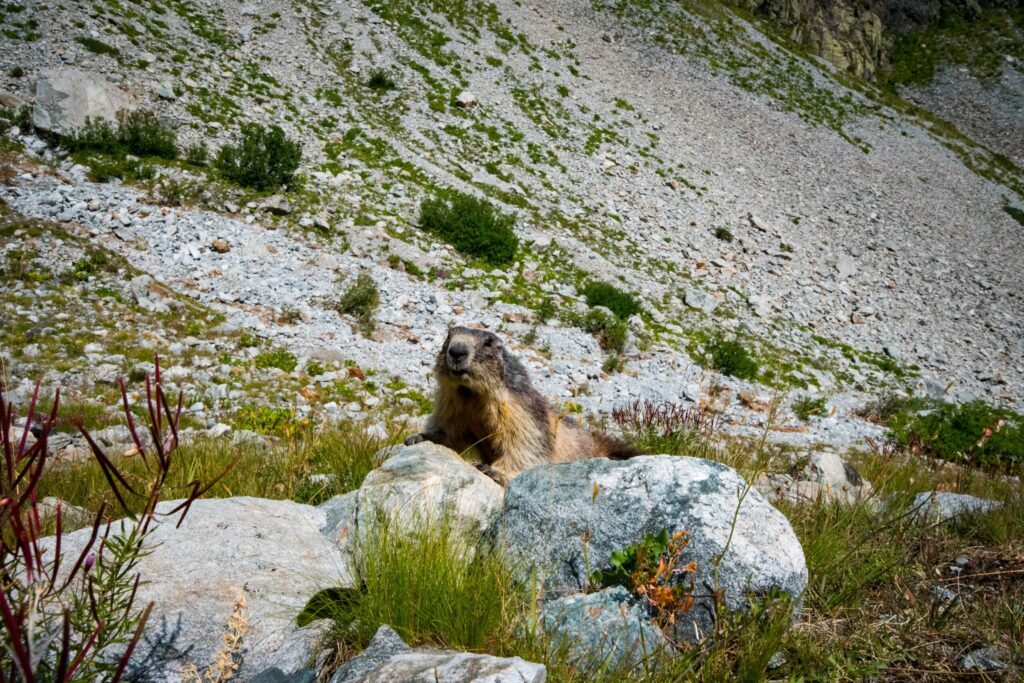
x,y
699,299
466,100
220,246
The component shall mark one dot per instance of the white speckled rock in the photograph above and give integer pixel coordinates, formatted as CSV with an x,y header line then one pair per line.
x,y
602,630
939,506
387,658
270,551
549,512
428,482
66,97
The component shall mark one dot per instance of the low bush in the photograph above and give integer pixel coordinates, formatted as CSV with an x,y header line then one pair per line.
x,y
621,303
277,358
261,157
974,432
729,357
381,79
611,331
361,301
807,407
137,132
723,234
197,154
266,420
97,46
144,135
471,225
16,72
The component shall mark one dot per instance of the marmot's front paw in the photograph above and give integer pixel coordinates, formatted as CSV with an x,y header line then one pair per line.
x,y
415,439
494,474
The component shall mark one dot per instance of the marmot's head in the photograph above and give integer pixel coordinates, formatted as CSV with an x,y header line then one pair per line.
x,y
472,358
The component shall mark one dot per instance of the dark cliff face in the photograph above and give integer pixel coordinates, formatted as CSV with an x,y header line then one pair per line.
x,y
854,34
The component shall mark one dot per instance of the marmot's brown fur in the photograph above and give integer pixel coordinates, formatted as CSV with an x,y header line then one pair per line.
x,y
484,399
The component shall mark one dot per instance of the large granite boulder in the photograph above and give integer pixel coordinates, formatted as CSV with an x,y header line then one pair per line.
x,y
425,483
260,559
387,658
65,98
562,521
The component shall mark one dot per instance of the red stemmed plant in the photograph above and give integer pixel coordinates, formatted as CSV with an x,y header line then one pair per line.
x,y
81,623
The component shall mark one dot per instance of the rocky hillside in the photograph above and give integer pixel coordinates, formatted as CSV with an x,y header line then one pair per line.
x,y
731,185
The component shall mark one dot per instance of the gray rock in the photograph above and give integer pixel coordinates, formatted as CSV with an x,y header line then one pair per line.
x,y
940,506
606,629
822,475
340,519
387,658
699,299
428,482
549,511
466,100
271,553
384,645
275,675
66,97
984,659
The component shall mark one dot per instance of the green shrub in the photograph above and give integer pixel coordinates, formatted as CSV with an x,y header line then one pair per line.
x,y
471,225
16,72
621,303
97,46
958,433
265,420
1015,213
730,358
95,135
611,331
419,579
197,154
137,132
277,358
361,301
723,234
261,157
381,79
314,369
806,407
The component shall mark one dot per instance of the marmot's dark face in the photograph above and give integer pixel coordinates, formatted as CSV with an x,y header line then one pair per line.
x,y
472,358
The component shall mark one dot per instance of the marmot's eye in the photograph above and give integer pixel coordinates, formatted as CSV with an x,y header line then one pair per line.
x,y
489,342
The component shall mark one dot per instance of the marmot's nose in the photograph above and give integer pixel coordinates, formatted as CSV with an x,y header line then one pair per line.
x,y
457,353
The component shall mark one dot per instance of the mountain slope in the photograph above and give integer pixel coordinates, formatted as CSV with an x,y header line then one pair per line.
x,y
870,248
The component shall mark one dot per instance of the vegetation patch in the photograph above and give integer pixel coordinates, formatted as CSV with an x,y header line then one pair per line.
x,y
610,330
361,300
261,157
974,433
621,303
472,225
730,357
137,132
277,358
807,407
97,46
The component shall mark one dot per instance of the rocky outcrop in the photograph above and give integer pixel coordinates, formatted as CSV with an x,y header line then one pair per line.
x,y
65,98
565,520
387,658
258,560
847,34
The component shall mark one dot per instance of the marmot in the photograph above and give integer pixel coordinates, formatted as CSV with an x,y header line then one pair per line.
x,y
484,399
